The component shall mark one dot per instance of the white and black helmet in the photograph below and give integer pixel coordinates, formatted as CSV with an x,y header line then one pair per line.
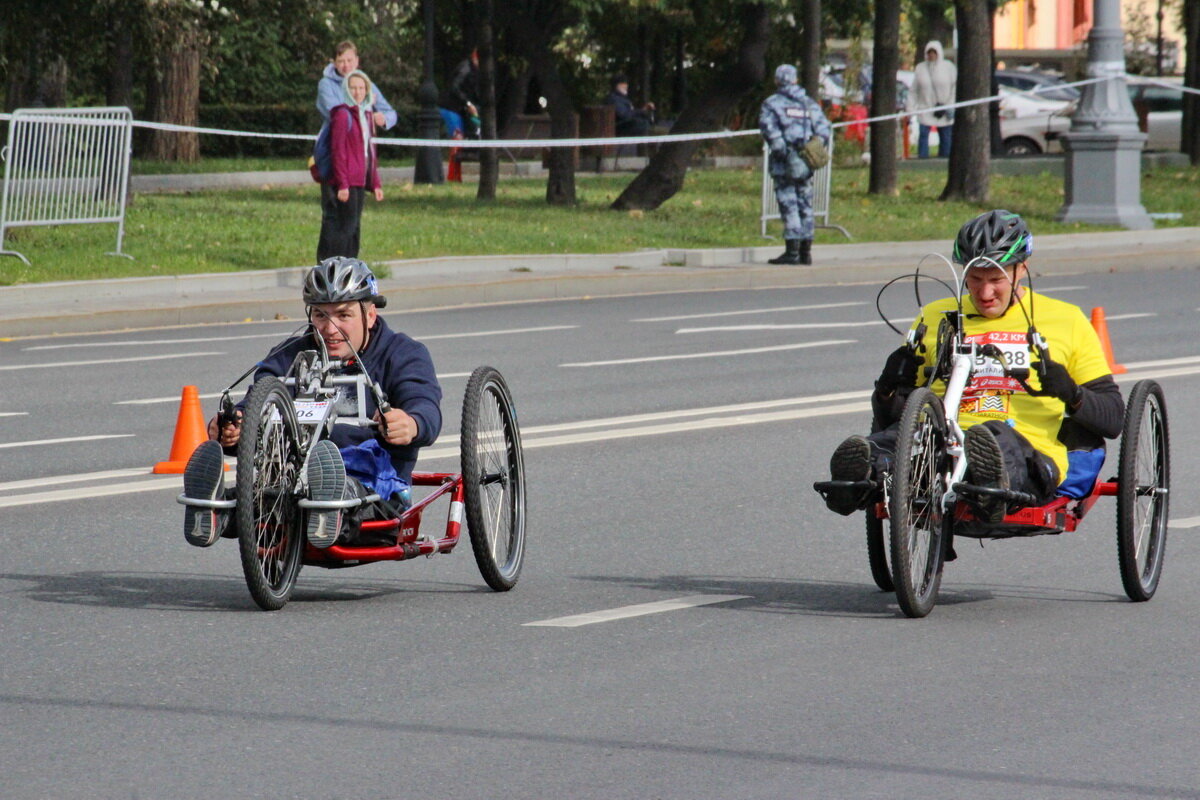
x,y
341,280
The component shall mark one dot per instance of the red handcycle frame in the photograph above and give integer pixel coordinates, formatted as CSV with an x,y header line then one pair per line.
x,y
407,528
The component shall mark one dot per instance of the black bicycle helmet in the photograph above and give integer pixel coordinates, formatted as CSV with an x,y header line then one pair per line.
x,y
1000,235
341,280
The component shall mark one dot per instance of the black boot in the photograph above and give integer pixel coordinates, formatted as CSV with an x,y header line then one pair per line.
x,y
789,256
805,251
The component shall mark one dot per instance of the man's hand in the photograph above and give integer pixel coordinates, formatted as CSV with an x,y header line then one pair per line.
x,y
900,370
400,427
1057,382
343,195
229,434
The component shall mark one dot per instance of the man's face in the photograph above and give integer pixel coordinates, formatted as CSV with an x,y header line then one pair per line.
x,y
991,288
346,63
931,55
623,88
358,89
336,323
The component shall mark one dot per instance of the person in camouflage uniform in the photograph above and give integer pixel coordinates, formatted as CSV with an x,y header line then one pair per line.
x,y
789,118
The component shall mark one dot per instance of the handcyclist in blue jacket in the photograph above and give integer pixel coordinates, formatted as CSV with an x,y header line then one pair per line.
x,y
342,299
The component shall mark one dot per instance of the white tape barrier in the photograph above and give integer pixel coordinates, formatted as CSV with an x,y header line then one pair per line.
x,y
595,142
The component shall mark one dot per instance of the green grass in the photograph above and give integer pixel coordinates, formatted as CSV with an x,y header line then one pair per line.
x,y
142,166
199,232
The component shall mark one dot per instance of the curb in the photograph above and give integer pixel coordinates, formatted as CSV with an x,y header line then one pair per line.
x,y
418,284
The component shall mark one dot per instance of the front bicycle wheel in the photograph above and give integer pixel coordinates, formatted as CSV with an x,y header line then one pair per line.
x,y
493,471
1143,491
269,534
919,522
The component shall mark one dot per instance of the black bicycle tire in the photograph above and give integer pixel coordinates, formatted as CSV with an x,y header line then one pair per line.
x,y
270,574
877,551
1147,404
480,466
917,597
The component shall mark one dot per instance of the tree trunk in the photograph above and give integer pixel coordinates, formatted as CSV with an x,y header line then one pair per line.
x,y
489,157
663,176
119,90
810,48
179,99
886,59
1190,142
970,154
534,32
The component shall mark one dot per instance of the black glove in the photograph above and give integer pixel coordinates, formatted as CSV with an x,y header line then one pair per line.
x,y
900,370
1056,382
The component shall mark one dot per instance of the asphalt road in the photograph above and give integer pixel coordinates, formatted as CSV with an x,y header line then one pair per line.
x,y
671,441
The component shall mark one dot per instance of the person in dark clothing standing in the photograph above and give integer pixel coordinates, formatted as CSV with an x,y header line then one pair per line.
x,y
459,103
355,169
631,120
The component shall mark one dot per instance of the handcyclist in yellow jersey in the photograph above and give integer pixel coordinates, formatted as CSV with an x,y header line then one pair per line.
x,y
1017,433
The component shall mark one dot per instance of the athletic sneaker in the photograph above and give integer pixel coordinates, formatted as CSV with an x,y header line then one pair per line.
x,y
204,479
851,461
987,469
326,481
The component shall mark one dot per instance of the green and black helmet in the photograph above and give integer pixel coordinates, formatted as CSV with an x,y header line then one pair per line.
x,y
1001,236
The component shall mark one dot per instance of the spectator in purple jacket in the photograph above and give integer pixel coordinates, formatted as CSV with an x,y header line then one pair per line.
x,y
355,169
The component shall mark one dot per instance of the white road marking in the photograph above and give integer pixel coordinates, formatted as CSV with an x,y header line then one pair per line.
x,y
85,493
1163,362
1112,317
640,610
39,442
1186,522
14,413
799,326
444,375
107,361
58,480
148,342
495,333
711,354
748,311
172,399
1060,289
1162,373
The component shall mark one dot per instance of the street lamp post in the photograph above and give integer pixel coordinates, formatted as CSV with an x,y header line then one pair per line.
x,y
1103,180
428,167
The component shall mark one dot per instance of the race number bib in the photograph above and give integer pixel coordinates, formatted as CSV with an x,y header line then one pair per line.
x,y
309,412
796,113
989,391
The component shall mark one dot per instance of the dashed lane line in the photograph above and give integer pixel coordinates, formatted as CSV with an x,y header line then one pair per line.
x,y
710,354
1185,522
66,440
61,364
747,311
640,610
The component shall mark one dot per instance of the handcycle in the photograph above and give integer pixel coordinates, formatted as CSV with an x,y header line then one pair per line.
x,y
284,417
925,498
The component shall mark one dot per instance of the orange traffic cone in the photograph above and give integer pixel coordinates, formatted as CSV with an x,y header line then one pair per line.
x,y
190,432
1101,328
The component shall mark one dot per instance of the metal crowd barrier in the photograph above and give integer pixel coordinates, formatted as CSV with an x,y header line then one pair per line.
x,y
821,183
66,166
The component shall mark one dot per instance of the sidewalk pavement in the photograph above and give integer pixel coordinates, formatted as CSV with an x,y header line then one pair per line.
x,y
107,305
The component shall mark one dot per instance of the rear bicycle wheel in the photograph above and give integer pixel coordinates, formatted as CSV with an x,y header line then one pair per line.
x,y
269,534
493,471
919,522
1143,491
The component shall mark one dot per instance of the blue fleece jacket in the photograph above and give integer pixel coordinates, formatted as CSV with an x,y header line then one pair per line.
x,y
403,369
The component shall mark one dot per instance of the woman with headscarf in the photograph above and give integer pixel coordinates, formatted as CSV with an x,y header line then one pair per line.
x,y
355,169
